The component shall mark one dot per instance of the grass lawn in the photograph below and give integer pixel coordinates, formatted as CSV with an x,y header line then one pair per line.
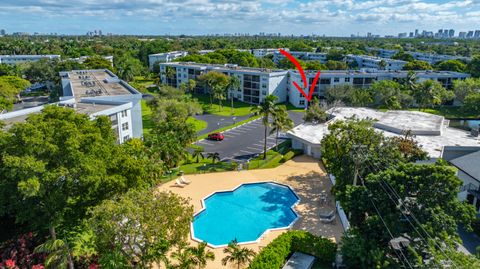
x,y
147,120
141,80
203,166
239,108
449,112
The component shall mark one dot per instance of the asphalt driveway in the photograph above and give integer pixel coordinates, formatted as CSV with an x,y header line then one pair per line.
x,y
244,141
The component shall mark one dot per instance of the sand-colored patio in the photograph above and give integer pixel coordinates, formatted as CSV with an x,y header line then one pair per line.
x,y
304,174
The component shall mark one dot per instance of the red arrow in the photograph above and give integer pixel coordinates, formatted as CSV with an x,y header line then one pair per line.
x,y
302,74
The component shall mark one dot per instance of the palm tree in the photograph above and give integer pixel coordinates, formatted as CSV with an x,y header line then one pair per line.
x,y
237,255
197,154
183,87
281,122
184,258
59,255
191,84
233,84
219,94
266,110
215,156
200,255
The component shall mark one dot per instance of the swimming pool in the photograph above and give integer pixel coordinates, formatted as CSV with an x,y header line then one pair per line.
x,y
244,213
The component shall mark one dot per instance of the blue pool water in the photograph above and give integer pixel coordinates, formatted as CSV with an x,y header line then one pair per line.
x,y
245,213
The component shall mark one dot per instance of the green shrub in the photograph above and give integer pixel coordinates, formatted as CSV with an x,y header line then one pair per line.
x,y
275,254
290,154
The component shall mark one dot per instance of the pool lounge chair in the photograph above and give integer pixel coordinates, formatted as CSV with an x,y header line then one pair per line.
x,y
327,218
179,184
184,180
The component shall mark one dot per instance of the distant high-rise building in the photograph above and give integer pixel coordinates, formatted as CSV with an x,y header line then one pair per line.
x,y
2,32
100,32
440,32
416,32
451,33
402,35
477,34
470,34
462,34
411,34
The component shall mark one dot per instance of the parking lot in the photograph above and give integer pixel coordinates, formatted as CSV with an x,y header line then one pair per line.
x,y
245,141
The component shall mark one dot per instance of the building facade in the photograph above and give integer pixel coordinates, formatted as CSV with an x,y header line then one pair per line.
x,y
366,61
16,59
165,57
255,83
301,55
361,79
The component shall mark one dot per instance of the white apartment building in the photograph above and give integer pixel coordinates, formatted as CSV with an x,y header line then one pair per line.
x,y
361,79
435,58
82,59
260,53
165,57
255,83
382,53
301,55
366,61
95,93
16,59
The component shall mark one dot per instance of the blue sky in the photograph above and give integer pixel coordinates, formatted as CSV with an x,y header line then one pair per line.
x,y
329,17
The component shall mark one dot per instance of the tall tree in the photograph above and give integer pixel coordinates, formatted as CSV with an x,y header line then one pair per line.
x,y
143,225
10,88
462,88
430,93
315,113
416,202
215,81
417,65
237,255
191,85
266,110
233,86
59,163
280,122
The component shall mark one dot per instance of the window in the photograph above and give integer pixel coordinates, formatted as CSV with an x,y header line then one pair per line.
x,y
301,95
125,126
302,102
347,79
125,138
336,80
124,113
264,92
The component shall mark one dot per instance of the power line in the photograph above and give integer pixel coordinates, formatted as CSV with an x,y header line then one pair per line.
x,y
402,204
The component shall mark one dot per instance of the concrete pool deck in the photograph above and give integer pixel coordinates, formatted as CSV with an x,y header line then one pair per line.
x,y
305,175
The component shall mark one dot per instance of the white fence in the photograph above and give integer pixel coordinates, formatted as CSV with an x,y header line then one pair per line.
x,y
340,211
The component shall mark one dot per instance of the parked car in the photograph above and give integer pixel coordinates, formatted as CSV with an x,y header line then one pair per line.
x,y
216,136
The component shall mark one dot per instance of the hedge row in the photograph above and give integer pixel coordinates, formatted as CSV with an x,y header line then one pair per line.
x,y
276,253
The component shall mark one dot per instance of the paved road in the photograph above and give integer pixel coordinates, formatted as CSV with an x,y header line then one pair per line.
x,y
245,141
216,122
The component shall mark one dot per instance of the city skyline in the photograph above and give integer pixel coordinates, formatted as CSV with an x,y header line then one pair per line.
x,y
199,17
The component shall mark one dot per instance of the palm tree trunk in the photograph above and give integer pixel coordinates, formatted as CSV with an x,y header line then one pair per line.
x,y
276,141
53,234
231,99
265,144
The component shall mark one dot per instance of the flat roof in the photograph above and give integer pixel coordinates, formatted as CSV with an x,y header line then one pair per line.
x,y
229,67
94,83
432,142
421,73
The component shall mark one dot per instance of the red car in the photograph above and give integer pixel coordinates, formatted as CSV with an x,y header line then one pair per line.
x,y
216,136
